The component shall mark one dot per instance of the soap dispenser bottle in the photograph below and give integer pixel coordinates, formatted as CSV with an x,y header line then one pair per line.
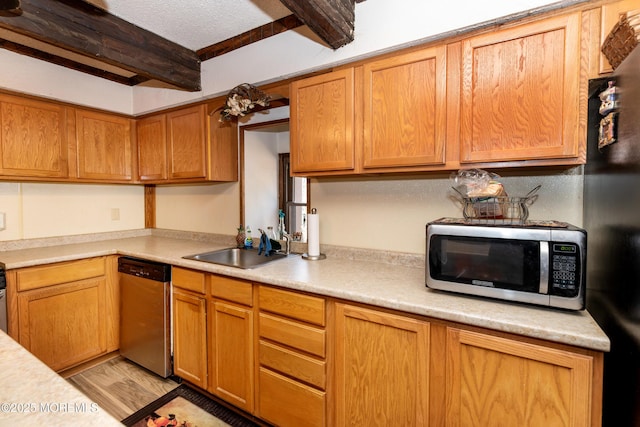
x,y
248,241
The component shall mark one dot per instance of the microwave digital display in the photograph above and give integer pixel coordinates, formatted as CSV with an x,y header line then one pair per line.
x,y
504,264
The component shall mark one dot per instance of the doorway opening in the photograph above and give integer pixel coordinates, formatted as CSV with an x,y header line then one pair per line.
x,y
266,184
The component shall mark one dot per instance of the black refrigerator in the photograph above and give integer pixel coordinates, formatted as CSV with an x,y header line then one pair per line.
x,y
612,220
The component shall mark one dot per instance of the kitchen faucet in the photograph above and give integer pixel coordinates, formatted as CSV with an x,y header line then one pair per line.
x,y
287,240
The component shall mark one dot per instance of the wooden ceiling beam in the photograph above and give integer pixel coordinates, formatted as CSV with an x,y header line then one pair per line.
x,y
332,20
87,30
252,36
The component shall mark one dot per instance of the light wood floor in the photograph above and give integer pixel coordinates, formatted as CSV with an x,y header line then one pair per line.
x,y
121,387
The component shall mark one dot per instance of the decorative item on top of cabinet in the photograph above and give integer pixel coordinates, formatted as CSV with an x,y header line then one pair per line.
x,y
520,94
33,138
405,109
323,123
610,16
103,146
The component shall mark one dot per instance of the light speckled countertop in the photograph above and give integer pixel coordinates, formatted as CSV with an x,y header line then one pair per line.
x,y
31,394
399,286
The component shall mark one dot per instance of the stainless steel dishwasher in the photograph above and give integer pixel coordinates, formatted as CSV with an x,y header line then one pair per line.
x,y
145,314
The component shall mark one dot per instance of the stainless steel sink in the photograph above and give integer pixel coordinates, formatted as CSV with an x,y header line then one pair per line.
x,y
236,257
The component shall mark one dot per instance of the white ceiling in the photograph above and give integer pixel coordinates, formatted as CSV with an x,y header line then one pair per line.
x,y
195,24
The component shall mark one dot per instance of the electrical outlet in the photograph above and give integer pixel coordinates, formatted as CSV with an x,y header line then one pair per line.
x,y
115,214
3,217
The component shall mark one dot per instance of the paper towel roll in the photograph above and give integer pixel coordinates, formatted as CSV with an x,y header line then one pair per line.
x,y
313,234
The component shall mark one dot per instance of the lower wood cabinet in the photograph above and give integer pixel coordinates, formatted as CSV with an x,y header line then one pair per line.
x,y
231,350
292,358
65,313
494,381
382,368
190,337
213,334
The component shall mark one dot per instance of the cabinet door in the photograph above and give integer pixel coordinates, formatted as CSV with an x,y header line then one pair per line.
x,y
223,150
103,146
186,143
493,381
64,325
190,337
382,363
404,109
520,92
33,138
231,353
152,148
322,123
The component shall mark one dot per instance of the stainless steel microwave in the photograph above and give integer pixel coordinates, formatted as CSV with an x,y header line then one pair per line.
x,y
539,262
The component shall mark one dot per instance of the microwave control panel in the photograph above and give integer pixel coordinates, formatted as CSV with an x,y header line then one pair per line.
x,y
565,269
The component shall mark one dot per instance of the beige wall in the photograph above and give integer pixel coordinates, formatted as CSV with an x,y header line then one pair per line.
x,y
48,210
374,213
207,208
391,214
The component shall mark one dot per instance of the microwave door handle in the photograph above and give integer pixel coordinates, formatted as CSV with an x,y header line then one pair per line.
x,y
544,268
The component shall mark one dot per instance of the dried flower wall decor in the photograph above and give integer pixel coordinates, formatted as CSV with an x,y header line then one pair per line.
x,y
241,100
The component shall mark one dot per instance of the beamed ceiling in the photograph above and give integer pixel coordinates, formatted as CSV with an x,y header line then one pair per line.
x,y
87,37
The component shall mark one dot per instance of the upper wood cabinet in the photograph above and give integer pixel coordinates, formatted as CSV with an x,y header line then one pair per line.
x,y
152,148
33,138
386,115
103,146
521,92
323,123
405,110
186,145
186,149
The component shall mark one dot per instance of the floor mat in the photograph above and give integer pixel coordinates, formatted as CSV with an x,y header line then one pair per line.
x,y
184,406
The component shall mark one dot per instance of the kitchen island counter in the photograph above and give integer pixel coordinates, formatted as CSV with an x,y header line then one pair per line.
x,y
32,394
376,282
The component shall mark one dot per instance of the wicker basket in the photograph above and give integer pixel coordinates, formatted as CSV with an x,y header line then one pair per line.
x,y
623,38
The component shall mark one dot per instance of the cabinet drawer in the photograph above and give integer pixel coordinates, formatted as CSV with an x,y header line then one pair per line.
x,y
285,402
293,334
304,368
55,274
232,290
294,305
188,279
